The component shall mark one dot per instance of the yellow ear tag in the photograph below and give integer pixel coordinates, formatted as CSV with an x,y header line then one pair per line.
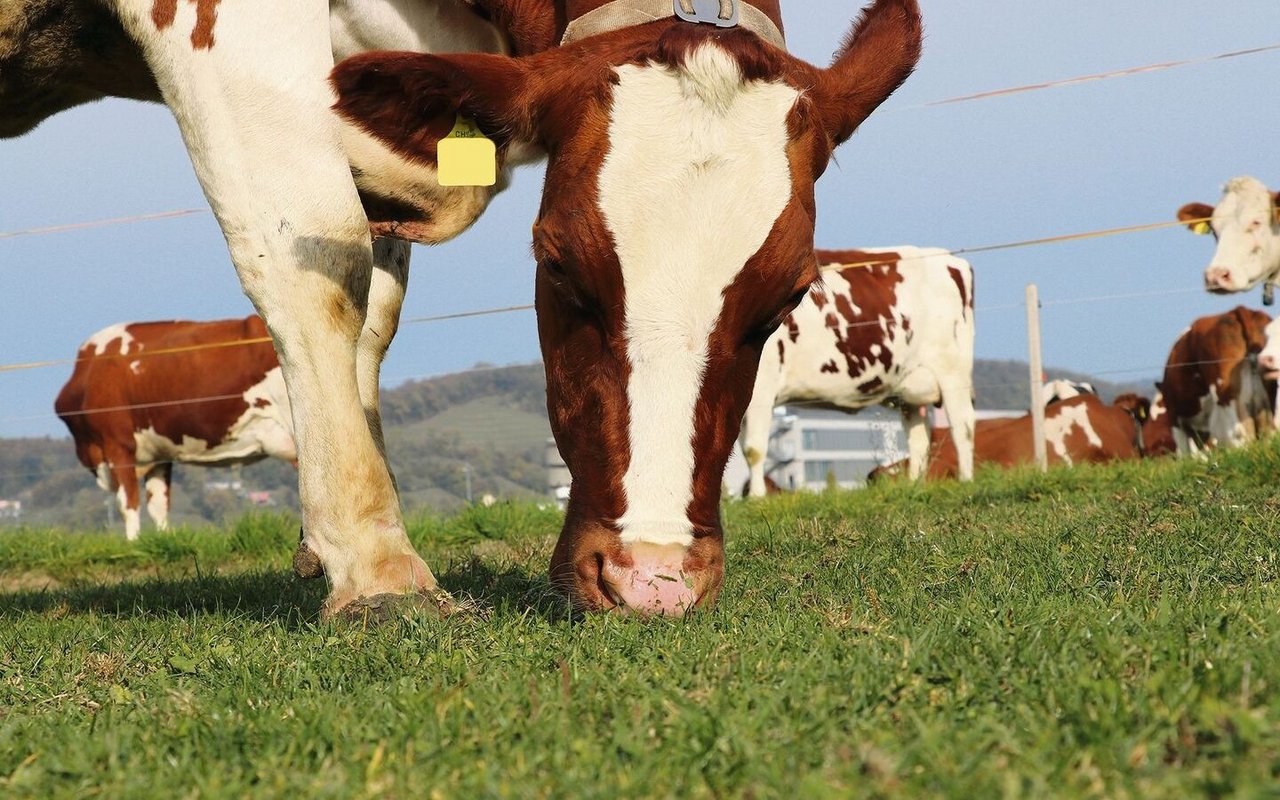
x,y
466,157
1201,228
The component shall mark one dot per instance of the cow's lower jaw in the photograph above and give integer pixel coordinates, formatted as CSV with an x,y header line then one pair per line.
x,y
601,573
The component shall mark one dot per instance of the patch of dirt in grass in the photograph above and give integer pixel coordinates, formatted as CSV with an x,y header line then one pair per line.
x,y
37,581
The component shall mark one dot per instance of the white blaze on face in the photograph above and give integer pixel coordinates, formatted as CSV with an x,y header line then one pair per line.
x,y
696,176
109,339
1248,237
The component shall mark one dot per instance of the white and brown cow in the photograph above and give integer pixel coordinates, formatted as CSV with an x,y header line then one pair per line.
x,y
1078,430
146,395
675,233
895,329
1211,385
1246,223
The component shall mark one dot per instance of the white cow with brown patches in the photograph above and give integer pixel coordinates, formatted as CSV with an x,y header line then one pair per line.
x,y
1246,224
897,329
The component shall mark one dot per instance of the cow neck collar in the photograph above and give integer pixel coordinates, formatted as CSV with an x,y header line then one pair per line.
x,y
619,14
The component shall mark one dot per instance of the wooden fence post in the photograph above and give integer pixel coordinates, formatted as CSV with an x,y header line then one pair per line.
x,y
1037,377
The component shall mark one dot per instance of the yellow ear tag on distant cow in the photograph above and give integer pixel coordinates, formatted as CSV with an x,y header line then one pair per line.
x,y
1201,228
466,157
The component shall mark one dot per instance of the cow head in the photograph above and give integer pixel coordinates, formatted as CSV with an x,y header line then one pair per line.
x,y
1134,405
675,234
1246,223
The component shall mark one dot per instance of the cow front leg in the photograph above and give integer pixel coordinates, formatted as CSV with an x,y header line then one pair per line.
x,y
913,419
957,401
755,444
382,320
156,481
253,108
386,298
124,476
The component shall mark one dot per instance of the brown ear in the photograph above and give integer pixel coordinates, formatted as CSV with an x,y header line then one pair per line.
x,y
1275,208
401,98
1195,216
877,56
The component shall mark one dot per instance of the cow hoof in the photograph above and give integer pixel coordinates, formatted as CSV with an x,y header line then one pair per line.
x,y
306,564
382,608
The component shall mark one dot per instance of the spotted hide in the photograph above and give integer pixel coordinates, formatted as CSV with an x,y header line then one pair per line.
x,y
1211,385
147,395
895,329
1079,430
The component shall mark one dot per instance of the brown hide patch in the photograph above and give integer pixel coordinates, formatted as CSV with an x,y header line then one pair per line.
x,y
793,329
958,277
831,367
164,12
782,351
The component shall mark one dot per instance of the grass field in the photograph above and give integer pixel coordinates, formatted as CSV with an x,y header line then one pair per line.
x,y
1097,632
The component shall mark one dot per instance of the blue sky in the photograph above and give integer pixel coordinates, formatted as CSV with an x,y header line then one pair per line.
x,y
1103,154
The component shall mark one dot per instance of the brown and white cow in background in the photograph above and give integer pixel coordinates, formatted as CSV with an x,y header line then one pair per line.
x,y
897,330
1211,385
675,233
146,395
1246,223
1078,430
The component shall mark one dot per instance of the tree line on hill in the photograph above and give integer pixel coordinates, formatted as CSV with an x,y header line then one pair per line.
x,y
431,428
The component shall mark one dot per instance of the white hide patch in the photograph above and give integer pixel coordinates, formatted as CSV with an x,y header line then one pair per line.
x,y
264,429
105,340
696,176
1058,427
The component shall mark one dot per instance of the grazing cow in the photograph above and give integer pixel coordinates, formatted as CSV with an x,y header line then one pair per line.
x,y
1080,429
896,329
675,232
146,395
1246,223
1211,384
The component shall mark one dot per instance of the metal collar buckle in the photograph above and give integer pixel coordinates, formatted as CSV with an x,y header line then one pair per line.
x,y
721,13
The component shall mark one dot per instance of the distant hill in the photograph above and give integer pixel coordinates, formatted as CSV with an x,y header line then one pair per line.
x,y
488,424
1006,385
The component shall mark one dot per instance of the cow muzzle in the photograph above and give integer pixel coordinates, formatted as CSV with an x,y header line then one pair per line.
x,y
640,578
1220,281
655,580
